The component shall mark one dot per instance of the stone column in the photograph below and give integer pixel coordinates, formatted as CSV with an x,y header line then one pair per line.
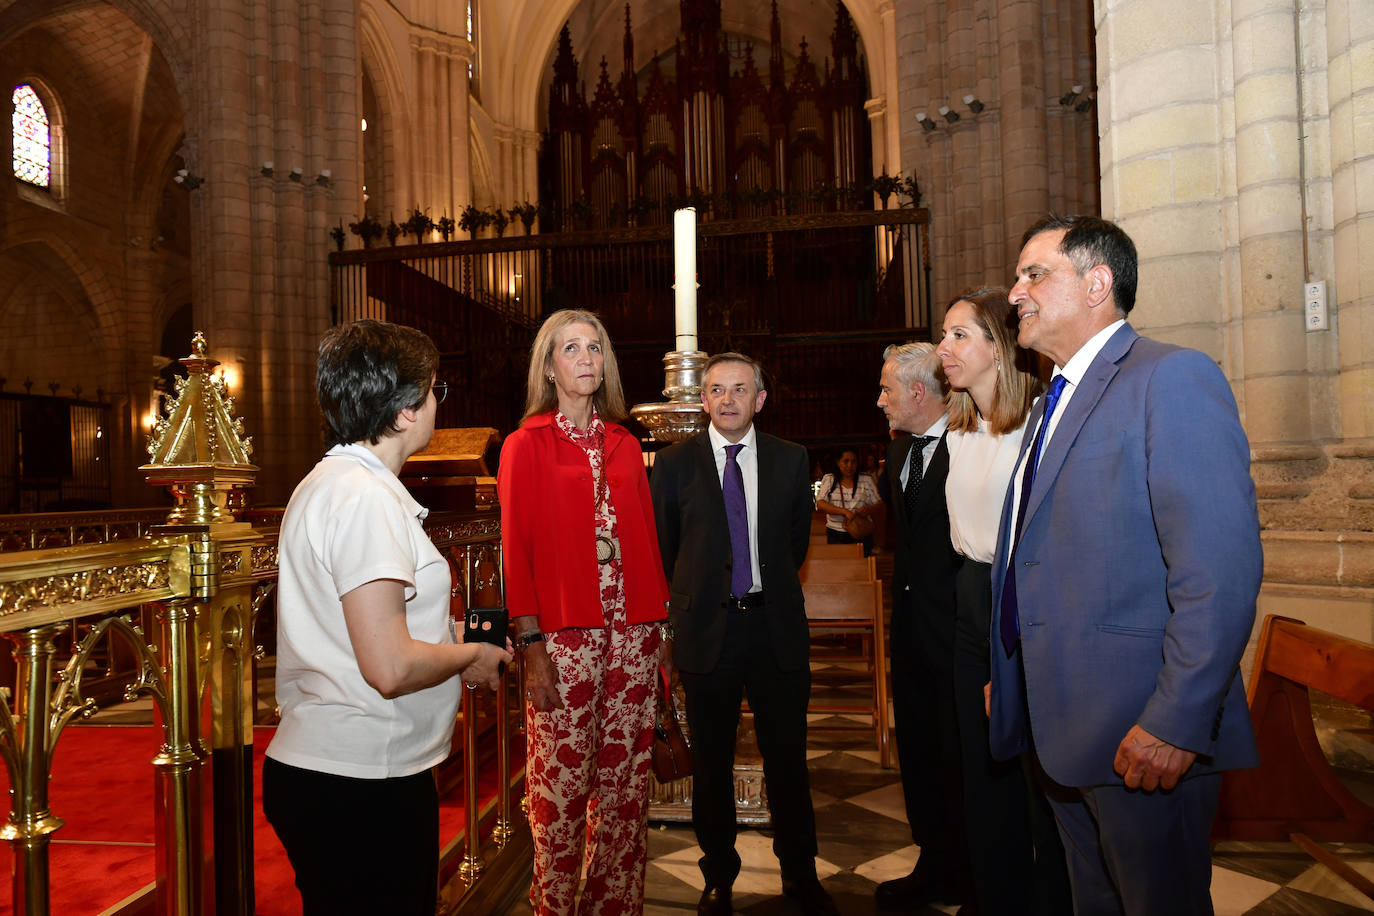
x,y
1167,176
460,141
1350,85
1022,97
268,91
887,137
966,172
1269,210
528,164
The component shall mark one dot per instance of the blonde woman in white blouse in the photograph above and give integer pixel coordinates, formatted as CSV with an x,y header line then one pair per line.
x,y
1013,844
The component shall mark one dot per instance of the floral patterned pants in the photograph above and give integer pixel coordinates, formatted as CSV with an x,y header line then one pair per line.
x,y
588,773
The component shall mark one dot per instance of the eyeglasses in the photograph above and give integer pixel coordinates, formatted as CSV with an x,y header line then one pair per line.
x,y
440,390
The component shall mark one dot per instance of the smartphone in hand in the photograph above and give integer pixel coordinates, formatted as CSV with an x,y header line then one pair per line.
x,y
486,624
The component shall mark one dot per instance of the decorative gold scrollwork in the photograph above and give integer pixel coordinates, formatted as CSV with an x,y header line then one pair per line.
x,y
84,585
264,557
261,592
485,553
69,702
470,530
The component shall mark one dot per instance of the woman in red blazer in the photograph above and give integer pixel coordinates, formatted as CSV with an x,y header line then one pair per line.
x,y
585,588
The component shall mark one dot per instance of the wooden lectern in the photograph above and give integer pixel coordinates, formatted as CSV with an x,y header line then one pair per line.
x,y
451,473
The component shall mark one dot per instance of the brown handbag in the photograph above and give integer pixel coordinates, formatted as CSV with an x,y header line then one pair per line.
x,y
860,526
672,756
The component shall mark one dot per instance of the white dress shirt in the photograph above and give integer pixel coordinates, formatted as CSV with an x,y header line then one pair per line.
x,y
1073,372
937,429
748,460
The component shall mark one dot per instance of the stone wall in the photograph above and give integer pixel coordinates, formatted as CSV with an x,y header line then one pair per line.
x,y
1237,149
990,174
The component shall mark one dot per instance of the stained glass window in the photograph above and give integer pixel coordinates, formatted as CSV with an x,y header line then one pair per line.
x,y
472,35
32,146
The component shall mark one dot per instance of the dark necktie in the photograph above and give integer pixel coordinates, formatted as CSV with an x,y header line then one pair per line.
x,y
913,473
736,512
1011,621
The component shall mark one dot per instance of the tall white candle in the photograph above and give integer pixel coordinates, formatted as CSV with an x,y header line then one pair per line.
x,y
685,277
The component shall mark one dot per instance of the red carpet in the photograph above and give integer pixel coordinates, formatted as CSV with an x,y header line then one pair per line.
x,y
103,785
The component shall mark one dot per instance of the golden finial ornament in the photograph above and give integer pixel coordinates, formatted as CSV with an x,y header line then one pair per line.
x,y
198,449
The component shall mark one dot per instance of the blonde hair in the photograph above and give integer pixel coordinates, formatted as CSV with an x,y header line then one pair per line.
x,y
1017,386
541,395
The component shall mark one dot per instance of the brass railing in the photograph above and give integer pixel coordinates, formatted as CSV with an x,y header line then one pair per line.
x,y
38,530
206,581
44,591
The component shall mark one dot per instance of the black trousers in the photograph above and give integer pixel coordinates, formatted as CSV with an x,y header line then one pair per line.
x,y
358,846
844,537
778,701
1014,847
927,736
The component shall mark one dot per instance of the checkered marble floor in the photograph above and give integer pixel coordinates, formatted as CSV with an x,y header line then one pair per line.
x,y
864,839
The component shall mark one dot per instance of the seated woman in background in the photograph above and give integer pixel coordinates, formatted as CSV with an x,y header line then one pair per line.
x,y
585,587
849,500
367,661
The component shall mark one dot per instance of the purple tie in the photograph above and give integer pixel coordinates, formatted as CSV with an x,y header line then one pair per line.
x,y
742,575
1011,621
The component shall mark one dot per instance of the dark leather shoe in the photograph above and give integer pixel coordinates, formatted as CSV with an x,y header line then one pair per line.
x,y
715,901
912,892
808,894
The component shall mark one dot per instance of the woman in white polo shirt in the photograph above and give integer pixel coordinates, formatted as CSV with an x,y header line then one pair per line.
x,y
366,659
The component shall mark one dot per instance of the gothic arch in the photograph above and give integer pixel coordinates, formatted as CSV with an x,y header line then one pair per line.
x,y
162,20
484,190
540,30
104,304
380,68
80,339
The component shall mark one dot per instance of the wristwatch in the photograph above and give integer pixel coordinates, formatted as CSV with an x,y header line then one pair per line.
x,y
528,638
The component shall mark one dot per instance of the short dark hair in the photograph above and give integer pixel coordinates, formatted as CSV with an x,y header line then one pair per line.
x,y
1089,241
367,373
733,357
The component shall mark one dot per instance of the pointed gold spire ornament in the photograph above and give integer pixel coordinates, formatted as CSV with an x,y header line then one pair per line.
x,y
199,450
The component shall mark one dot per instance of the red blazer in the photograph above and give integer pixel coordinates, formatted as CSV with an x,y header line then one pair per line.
x,y
548,532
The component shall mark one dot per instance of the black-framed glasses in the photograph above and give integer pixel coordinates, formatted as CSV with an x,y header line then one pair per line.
x,y
440,390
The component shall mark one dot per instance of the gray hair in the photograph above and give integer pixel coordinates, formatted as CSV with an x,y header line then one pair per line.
x,y
733,357
916,362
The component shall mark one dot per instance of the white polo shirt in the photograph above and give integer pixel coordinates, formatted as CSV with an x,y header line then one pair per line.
x,y
350,522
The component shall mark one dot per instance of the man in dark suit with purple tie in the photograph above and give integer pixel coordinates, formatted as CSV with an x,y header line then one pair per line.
x,y
733,508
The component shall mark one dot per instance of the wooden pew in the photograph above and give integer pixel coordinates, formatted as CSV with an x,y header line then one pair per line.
x,y
844,569
834,552
844,595
1294,794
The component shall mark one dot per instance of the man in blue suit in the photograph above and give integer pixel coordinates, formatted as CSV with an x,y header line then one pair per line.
x,y
1125,582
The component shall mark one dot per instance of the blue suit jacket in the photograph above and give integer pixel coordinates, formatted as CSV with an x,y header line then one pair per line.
x,y
1137,573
